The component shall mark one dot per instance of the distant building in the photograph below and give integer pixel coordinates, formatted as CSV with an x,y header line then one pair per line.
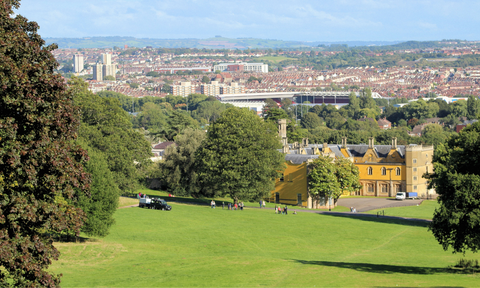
x,y
78,63
233,88
384,170
241,66
107,59
106,68
384,124
215,89
98,72
212,89
184,89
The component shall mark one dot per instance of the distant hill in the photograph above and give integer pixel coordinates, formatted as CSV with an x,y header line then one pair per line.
x,y
217,42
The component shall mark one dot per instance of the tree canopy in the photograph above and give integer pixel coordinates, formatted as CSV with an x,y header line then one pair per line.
x,y
178,168
456,178
239,157
41,168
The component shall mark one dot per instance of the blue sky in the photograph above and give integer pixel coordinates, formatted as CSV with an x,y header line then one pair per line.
x,y
307,20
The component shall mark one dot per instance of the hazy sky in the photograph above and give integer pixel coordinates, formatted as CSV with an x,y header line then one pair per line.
x,y
306,20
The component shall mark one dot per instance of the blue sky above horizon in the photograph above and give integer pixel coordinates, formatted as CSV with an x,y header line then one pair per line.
x,y
308,20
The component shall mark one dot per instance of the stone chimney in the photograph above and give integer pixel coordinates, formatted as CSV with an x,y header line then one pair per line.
x,y
305,142
282,131
394,143
344,142
371,142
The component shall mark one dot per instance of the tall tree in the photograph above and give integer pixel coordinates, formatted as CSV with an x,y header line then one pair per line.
x,y
106,127
240,157
100,207
348,176
40,166
456,178
322,181
178,169
473,107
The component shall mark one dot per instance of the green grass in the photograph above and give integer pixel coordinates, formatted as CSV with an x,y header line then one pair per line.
x,y
276,59
195,246
422,211
218,201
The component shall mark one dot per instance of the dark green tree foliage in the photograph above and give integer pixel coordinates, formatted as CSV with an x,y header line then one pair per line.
x,y
39,163
106,127
275,114
178,169
240,157
433,134
322,181
311,121
473,107
100,207
456,178
348,176
177,122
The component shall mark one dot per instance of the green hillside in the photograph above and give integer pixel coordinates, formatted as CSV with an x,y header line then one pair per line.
x,y
196,246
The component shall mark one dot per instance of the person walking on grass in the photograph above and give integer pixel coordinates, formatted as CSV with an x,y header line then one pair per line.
x,y
260,203
276,209
223,205
263,203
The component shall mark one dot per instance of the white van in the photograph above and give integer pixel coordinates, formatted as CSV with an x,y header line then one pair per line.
x,y
401,196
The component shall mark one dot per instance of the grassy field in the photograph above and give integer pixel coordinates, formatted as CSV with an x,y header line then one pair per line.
x,y
196,246
275,59
423,211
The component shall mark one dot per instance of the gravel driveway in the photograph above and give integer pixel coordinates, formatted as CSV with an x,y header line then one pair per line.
x,y
367,204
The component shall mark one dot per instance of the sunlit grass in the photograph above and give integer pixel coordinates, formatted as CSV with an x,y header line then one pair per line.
x,y
196,246
422,211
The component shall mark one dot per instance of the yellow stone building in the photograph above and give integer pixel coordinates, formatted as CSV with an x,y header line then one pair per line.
x,y
384,169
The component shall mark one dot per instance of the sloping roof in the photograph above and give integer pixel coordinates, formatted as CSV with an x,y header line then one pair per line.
x,y
299,158
358,150
164,145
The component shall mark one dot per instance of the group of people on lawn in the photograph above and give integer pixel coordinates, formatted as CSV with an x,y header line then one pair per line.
x,y
240,206
230,206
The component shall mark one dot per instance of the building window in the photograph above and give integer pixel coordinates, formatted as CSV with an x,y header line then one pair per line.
x,y
414,161
397,171
370,171
414,178
370,188
414,188
414,169
426,169
384,188
282,178
384,171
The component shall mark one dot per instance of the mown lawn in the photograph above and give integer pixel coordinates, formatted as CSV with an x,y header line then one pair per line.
x,y
422,211
196,246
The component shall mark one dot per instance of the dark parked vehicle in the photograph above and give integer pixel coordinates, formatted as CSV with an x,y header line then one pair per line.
x,y
154,203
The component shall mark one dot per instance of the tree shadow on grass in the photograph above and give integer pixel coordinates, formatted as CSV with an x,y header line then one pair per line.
x,y
382,219
378,268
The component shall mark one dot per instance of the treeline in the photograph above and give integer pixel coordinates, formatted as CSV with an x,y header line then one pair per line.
x,y
164,118
358,120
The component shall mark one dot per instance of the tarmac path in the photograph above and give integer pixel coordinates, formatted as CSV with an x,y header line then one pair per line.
x,y
367,204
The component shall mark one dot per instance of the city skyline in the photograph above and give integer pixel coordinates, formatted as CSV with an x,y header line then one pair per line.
x,y
345,20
